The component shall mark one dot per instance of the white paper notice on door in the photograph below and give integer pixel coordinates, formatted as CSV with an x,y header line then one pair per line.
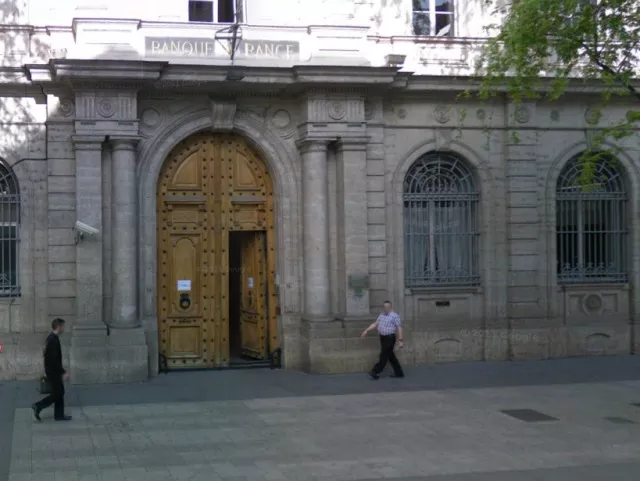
x,y
250,282
184,285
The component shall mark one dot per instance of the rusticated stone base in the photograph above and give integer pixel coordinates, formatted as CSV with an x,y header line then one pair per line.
x,y
96,357
335,346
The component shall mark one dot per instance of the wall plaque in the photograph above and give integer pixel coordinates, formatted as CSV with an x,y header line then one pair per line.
x,y
196,47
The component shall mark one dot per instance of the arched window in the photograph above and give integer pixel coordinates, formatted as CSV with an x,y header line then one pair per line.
x,y
591,222
9,232
440,222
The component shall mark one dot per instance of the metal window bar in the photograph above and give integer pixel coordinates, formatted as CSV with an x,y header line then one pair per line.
x,y
591,225
440,225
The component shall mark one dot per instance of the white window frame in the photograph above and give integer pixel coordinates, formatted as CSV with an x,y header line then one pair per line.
x,y
236,4
433,14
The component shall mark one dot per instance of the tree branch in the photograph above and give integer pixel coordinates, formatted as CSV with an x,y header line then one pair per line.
x,y
617,76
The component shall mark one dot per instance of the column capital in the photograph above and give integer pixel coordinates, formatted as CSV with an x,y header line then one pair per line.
x,y
123,142
313,145
88,142
352,143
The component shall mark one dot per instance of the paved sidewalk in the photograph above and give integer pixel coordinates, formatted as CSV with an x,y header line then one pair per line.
x,y
441,423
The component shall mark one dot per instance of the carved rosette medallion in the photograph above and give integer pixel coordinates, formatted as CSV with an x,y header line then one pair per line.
x,y
336,110
402,113
480,114
555,115
592,303
280,120
151,118
442,114
521,114
66,107
106,108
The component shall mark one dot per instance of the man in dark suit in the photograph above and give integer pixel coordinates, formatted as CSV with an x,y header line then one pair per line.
x,y
55,374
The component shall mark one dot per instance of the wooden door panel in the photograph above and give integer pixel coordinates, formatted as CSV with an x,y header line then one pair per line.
x,y
247,175
188,174
186,259
185,342
212,184
253,315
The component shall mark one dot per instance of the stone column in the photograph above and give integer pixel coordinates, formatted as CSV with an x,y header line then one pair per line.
x,y
89,249
353,235
123,229
316,229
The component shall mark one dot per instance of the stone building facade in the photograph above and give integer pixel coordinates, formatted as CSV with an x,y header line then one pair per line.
x,y
160,192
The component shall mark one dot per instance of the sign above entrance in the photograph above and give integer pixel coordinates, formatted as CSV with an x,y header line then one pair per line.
x,y
195,47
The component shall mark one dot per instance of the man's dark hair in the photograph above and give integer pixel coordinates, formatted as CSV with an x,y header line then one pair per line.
x,y
56,323
387,302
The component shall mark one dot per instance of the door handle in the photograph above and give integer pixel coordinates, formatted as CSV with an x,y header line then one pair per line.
x,y
185,301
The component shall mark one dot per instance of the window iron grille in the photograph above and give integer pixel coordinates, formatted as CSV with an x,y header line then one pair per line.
x,y
440,222
591,223
9,233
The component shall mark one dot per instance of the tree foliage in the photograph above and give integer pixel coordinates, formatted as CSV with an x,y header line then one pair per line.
x,y
543,46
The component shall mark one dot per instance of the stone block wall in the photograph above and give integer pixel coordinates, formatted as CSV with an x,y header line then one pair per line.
x,y
518,311
61,214
23,321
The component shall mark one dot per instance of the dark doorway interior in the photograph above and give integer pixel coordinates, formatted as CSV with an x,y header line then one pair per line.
x,y
235,282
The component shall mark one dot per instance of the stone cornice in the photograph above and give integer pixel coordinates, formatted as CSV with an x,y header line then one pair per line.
x,y
116,74
101,74
333,74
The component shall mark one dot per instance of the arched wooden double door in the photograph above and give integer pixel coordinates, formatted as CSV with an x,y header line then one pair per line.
x,y
216,275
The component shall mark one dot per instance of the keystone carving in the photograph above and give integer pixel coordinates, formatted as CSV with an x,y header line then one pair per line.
x,y
521,114
592,116
223,114
442,114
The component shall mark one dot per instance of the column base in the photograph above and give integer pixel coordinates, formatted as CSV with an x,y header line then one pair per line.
x,y
96,357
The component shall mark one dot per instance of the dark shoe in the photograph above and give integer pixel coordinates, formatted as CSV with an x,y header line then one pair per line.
x,y
36,412
374,376
398,376
63,418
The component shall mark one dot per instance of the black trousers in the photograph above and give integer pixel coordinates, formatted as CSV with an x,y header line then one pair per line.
x,y
56,397
387,343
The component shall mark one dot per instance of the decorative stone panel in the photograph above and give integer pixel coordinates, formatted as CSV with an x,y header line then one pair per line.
x,y
325,115
108,112
585,304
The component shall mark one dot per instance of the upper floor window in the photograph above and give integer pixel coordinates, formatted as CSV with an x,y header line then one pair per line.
x,y
433,18
591,223
216,11
9,232
440,224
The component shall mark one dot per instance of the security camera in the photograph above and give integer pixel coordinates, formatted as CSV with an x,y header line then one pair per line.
x,y
83,228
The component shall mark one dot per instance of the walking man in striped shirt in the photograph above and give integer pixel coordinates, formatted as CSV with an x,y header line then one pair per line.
x,y
389,326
